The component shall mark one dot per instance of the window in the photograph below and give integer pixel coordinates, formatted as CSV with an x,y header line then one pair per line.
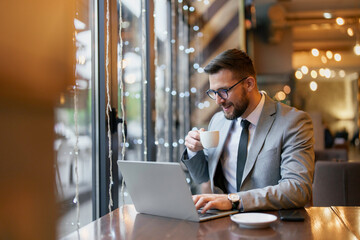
x,y
139,69
74,129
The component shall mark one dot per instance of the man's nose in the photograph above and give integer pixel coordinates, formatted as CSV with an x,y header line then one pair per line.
x,y
219,99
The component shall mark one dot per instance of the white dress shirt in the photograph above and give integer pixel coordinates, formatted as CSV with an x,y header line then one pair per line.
x,y
230,152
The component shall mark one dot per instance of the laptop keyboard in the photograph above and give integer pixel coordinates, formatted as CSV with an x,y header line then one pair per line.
x,y
207,214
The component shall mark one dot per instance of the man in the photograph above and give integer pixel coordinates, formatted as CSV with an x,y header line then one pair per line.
x,y
276,168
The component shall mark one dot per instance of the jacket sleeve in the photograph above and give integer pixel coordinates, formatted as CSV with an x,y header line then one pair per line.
x,y
197,166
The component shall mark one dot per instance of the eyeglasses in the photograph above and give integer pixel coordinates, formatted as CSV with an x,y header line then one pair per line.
x,y
223,93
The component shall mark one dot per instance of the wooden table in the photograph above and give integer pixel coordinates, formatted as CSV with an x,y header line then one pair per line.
x,y
126,223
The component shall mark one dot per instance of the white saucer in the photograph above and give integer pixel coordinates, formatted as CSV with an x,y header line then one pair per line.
x,y
253,220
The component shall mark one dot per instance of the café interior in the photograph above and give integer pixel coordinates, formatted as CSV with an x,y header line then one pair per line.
x,y
85,83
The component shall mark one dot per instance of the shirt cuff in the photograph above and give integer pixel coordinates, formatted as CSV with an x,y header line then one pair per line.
x,y
190,153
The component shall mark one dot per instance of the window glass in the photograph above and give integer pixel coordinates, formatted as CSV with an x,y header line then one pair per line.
x,y
181,120
168,83
73,130
163,84
130,86
132,72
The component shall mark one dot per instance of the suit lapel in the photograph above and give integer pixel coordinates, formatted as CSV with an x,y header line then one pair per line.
x,y
266,120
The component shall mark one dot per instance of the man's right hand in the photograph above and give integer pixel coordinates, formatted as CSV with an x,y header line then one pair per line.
x,y
192,140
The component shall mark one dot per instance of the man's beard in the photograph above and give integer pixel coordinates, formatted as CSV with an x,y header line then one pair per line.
x,y
239,108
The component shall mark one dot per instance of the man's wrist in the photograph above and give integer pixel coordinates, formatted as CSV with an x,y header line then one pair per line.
x,y
235,201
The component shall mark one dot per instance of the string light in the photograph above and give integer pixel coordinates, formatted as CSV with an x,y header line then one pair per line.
x,y
123,65
156,65
108,106
79,60
76,153
144,79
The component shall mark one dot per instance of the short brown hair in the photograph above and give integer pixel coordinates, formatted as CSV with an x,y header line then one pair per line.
x,y
237,61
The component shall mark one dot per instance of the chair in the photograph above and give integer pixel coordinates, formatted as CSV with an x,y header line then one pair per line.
x,y
336,184
331,154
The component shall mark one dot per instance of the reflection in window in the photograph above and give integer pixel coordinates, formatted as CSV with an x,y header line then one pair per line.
x,y
171,114
73,129
168,83
163,84
132,75
181,120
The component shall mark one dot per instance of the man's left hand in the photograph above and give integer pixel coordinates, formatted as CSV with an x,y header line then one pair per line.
x,y
212,201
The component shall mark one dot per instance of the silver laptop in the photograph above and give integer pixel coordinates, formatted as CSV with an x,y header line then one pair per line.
x,y
160,188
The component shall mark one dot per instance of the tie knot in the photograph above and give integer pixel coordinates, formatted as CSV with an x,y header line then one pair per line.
x,y
245,123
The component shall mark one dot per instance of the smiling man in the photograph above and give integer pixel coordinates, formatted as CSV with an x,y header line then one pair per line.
x,y
265,156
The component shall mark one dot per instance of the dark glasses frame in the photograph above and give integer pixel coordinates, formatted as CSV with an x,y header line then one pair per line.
x,y
221,92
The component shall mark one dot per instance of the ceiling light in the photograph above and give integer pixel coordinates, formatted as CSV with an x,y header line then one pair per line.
x,y
280,95
342,73
326,26
337,57
357,49
314,26
313,86
333,74
287,89
313,74
315,52
304,69
329,54
327,73
350,32
340,21
327,15
298,74
323,59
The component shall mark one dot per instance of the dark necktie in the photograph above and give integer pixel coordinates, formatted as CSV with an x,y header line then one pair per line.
x,y
242,152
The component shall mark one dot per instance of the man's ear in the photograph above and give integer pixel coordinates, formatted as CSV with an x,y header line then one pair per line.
x,y
250,83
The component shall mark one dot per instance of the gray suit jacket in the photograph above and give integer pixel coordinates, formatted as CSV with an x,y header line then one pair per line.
x,y
280,164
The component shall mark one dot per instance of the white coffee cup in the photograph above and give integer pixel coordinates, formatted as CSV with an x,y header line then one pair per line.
x,y
209,139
